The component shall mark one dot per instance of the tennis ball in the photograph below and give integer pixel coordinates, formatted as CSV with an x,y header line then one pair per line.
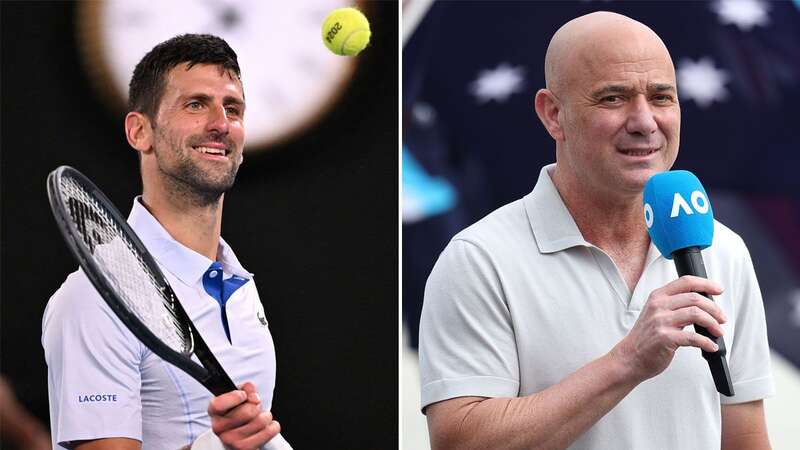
x,y
346,31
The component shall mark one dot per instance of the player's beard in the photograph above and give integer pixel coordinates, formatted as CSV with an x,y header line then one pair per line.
x,y
184,176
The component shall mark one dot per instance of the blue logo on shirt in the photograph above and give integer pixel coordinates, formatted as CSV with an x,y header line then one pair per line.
x,y
97,398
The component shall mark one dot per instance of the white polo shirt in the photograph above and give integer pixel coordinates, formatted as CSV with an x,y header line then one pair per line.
x,y
103,382
519,300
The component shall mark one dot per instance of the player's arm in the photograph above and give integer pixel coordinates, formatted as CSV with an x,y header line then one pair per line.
x,y
744,426
109,444
113,444
87,350
550,419
555,417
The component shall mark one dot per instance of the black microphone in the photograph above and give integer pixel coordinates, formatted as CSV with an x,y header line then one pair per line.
x,y
680,221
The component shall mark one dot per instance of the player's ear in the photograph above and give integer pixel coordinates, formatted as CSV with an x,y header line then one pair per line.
x,y
548,108
139,131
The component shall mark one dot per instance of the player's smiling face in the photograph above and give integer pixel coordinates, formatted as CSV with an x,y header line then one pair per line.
x,y
199,128
621,115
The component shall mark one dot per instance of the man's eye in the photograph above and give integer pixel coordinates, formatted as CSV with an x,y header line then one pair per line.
x,y
612,99
662,98
194,105
232,110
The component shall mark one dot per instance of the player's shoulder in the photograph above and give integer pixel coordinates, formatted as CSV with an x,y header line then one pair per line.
x,y
76,300
491,242
727,250
501,226
726,242
76,290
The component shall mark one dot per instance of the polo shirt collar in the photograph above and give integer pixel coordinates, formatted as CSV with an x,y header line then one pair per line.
x,y
183,262
551,222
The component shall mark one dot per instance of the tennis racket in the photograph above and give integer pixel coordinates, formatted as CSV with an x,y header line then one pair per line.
x,y
128,278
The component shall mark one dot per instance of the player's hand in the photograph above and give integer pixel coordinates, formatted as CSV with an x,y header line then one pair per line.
x,y
650,345
239,422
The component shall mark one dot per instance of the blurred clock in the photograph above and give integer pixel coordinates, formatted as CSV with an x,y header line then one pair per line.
x,y
290,78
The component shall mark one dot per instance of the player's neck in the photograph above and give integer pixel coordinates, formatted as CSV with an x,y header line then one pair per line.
x,y
196,226
607,220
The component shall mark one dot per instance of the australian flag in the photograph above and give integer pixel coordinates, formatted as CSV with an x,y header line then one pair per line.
x,y
472,141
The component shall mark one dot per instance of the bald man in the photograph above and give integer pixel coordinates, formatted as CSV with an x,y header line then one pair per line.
x,y
554,322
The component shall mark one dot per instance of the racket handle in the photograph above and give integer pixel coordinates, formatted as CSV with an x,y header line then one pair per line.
x,y
215,379
218,382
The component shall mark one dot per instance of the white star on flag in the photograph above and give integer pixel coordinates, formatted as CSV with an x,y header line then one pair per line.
x,y
745,14
498,84
701,81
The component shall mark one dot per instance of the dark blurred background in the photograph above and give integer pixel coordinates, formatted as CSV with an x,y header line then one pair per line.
x,y
314,217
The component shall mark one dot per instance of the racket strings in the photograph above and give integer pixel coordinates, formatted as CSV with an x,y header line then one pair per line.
x,y
140,289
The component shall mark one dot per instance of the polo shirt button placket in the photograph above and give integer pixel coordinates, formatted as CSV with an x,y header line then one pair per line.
x,y
629,318
221,290
213,285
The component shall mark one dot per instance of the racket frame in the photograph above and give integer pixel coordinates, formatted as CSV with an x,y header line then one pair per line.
x,y
210,374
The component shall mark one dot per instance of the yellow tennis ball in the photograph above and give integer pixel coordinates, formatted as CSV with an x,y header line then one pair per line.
x,y
346,31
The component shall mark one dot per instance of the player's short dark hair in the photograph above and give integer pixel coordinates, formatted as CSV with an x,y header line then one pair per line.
x,y
150,75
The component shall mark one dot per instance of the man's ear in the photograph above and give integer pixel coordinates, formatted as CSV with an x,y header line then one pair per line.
x,y
547,108
139,131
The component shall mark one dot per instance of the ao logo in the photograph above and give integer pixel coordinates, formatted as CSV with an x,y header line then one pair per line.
x,y
698,200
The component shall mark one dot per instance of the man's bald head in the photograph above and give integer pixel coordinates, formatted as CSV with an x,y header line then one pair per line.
x,y
595,38
611,105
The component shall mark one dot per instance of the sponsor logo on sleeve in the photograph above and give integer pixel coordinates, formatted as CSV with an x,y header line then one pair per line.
x,y
97,398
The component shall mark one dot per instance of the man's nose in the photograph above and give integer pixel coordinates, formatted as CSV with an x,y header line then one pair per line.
x,y
218,120
641,119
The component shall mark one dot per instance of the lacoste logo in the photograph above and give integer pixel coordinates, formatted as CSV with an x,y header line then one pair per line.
x,y
261,318
97,398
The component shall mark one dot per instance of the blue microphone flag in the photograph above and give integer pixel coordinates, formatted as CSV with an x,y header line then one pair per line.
x,y
677,212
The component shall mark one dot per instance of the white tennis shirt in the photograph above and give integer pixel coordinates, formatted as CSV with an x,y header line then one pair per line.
x,y
103,382
519,300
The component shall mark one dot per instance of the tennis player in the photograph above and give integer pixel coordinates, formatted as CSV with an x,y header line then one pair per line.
x,y
106,389
554,322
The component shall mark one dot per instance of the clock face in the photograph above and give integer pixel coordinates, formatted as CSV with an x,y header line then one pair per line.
x,y
290,79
